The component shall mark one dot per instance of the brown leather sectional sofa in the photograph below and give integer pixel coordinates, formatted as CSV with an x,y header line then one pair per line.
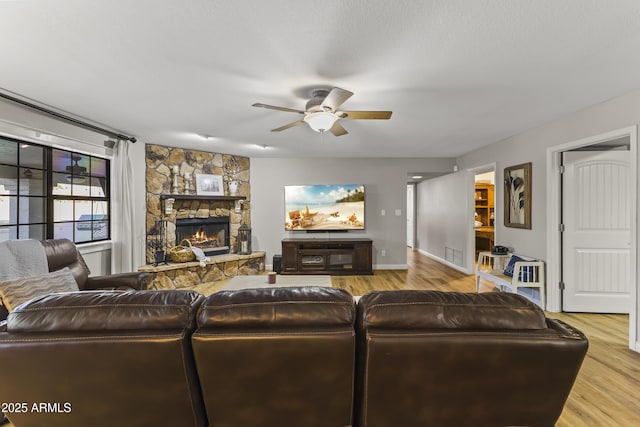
x,y
278,357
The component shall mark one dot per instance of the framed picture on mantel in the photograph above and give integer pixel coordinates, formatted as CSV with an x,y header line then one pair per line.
x,y
209,185
517,196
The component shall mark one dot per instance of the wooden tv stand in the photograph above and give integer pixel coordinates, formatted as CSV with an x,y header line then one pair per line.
x,y
327,256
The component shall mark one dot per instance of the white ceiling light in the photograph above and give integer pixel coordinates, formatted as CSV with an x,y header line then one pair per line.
x,y
320,121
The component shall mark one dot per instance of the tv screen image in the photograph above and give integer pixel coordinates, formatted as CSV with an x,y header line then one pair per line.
x,y
324,207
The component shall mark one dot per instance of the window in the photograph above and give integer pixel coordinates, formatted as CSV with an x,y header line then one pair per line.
x,y
52,193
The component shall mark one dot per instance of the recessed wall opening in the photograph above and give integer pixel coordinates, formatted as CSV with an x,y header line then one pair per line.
x,y
484,211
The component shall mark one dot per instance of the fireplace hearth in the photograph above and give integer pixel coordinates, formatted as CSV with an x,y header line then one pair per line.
x,y
209,234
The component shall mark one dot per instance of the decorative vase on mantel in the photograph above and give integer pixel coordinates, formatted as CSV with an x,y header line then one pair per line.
x,y
233,187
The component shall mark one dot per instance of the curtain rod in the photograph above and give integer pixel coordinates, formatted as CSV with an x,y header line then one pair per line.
x,y
73,120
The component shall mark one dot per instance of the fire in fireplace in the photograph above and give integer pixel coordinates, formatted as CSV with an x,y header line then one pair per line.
x,y
209,234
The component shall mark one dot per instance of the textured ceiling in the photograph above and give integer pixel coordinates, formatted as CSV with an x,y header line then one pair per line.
x,y
457,75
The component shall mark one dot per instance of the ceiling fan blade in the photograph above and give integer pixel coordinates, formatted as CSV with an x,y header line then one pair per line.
x,y
353,115
338,130
273,107
336,98
287,126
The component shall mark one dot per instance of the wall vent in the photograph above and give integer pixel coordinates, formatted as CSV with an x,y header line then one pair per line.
x,y
454,256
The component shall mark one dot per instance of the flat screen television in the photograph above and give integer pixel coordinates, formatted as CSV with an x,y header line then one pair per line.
x,y
324,207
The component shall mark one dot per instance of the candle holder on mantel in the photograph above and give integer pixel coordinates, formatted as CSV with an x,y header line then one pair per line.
x,y
187,183
174,184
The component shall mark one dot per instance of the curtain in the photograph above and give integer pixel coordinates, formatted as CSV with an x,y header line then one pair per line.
x,y
122,214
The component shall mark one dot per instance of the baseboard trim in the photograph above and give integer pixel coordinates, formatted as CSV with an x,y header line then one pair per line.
x,y
391,267
444,261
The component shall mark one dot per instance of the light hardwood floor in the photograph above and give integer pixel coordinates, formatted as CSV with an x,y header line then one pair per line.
x,y
607,391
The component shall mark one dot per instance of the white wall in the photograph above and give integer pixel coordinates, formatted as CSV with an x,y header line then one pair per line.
x,y
442,209
97,256
529,146
385,189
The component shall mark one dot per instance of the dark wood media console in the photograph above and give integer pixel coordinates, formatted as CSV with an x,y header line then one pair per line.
x,y
327,256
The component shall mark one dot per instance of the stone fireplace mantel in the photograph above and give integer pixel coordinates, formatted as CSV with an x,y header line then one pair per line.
x,y
196,197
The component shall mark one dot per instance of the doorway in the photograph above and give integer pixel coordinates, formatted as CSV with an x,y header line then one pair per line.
x,y
484,211
596,233
555,225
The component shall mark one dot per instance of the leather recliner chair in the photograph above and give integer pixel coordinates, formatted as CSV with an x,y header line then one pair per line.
x,y
277,357
454,359
99,358
61,253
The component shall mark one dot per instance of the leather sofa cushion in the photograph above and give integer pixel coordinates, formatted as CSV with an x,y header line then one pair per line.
x,y
448,310
107,310
310,306
17,291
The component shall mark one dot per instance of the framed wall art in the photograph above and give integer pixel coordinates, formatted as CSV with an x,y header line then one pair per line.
x,y
209,185
517,196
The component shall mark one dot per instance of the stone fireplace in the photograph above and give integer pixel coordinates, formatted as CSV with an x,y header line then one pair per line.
x,y
176,212
161,162
209,234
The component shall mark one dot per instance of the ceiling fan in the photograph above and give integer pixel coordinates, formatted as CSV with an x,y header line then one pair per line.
x,y
322,114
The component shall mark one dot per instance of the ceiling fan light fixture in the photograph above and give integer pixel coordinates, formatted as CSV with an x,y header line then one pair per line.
x,y
76,172
320,121
74,179
322,114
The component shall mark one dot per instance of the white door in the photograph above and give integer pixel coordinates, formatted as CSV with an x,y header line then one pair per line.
x,y
410,211
596,243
